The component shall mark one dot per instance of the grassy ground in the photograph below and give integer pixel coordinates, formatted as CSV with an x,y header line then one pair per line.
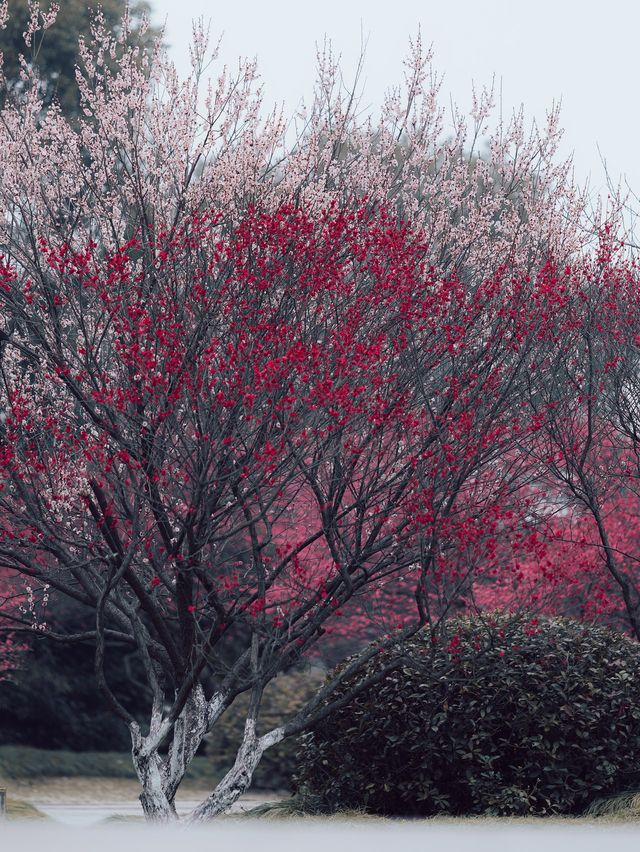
x,y
618,811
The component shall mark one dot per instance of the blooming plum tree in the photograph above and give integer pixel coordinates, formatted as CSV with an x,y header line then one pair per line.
x,y
270,420
253,391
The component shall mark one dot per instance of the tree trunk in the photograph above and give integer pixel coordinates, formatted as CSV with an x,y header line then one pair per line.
x,y
161,776
238,779
155,804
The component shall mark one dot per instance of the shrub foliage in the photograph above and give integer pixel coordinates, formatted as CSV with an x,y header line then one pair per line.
x,y
506,716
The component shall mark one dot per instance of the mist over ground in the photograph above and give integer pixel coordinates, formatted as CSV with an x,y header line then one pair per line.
x,y
317,836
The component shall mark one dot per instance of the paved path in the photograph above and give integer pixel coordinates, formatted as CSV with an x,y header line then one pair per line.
x,y
87,801
91,813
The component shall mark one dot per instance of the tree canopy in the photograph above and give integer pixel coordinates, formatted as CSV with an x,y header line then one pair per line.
x,y
255,396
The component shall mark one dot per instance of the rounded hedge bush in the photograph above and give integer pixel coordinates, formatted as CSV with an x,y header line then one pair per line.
x,y
503,715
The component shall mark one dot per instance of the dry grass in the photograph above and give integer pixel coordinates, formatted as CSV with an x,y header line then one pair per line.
x,y
291,809
617,809
17,809
614,810
623,808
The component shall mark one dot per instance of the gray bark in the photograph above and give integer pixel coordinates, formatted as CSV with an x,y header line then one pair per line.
x,y
161,776
237,780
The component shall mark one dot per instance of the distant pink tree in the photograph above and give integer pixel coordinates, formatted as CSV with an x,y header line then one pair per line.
x,y
588,432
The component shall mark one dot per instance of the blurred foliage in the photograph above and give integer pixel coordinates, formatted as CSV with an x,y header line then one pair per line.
x,y
24,763
52,700
506,716
21,763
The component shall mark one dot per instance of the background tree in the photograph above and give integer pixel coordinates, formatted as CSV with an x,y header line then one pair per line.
x,y
588,445
53,52
50,698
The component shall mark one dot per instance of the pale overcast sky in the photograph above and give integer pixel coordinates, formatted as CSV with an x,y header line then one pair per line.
x,y
583,52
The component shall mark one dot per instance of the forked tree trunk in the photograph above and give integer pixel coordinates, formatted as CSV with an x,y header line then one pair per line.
x,y
161,776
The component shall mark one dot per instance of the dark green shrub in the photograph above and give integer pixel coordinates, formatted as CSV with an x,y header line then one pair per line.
x,y
282,697
503,716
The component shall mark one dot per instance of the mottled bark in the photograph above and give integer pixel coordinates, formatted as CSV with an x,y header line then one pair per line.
x,y
161,776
